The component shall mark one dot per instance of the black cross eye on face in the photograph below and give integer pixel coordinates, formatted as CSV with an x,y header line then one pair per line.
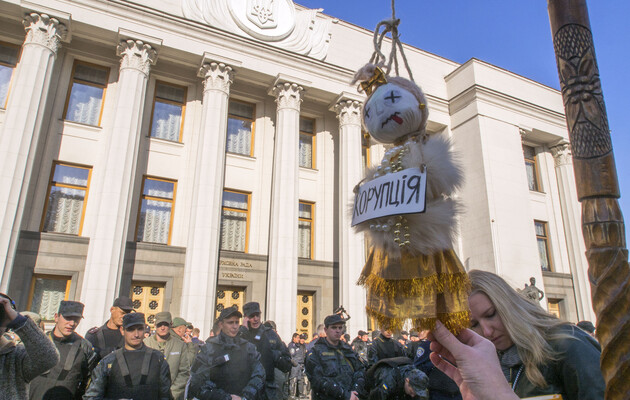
x,y
366,111
393,97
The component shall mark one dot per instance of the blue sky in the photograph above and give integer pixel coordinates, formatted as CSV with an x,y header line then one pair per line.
x,y
515,35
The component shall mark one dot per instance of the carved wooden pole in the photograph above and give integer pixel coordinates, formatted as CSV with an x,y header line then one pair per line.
x,y
597,187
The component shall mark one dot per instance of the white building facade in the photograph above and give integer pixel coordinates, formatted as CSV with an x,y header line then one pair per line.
x,y
194,154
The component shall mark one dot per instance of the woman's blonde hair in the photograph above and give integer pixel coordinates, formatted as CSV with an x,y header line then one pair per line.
x,y
529,326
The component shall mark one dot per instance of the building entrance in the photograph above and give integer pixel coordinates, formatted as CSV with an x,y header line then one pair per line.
x,y
228,296
148,298
305,313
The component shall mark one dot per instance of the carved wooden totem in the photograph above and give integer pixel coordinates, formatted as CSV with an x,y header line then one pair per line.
x,y
597,187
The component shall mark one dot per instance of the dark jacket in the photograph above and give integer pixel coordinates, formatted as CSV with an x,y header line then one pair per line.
x,y
383,347
273,351
226,366
20,364
103,383
179,357
297,352
387,378
575,374
69,378
361,349
440,385
105,340
334,371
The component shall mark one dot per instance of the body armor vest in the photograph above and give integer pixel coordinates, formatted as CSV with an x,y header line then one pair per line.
x,y
135,375
231,370
65,376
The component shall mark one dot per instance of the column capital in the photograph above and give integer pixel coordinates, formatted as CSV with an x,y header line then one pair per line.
x,y
561,153
216,76
136,54
349,112
44,30
288,95
524,131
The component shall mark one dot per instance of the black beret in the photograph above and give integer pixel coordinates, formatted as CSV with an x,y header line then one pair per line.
x,y
229,312
251,308
70,309
133,319
334,319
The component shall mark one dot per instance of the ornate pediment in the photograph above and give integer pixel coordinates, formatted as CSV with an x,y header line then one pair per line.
x,y
275,21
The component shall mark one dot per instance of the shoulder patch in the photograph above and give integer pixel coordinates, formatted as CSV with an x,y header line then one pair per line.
x,y
420,351
93,330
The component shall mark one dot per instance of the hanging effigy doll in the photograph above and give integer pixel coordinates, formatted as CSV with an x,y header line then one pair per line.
x,y
412,272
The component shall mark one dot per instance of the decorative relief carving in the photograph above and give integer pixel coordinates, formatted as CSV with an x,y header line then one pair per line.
x,y
44,30
137,55
522,132
582,92
561,154
348,112
276,21
288,95
216,76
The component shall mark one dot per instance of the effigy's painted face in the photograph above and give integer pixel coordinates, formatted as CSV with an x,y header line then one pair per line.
x,y
391,113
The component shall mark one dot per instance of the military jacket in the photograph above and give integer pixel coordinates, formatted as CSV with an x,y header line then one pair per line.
x,y
387,379
105,340
179,357
383,347
273,351
68,379
226,366
334,371
297,352
361,348
131,374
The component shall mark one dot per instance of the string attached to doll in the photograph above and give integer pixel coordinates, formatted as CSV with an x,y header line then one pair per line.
x,y
412,272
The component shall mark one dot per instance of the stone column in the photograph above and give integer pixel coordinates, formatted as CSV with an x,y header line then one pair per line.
x,y
571,215
22,126
282,268
115,183
202,252
351,244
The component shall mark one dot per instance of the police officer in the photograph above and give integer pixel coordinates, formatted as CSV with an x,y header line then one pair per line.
x,y
177,353
227,367
273,352
441,387
107,338
360,345
68,379
132,372
397,379
333,369
383,346
297,349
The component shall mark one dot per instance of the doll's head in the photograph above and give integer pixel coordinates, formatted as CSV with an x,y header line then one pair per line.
x,y
394,109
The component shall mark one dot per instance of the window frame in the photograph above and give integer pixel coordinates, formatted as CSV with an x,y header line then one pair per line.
x,y
162,199
544,237
312,221
253,121
50,185
248,214
534,162
183,105
72,80
17,60
31,290
313,135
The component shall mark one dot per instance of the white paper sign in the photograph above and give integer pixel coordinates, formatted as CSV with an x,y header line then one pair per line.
x,y
402,192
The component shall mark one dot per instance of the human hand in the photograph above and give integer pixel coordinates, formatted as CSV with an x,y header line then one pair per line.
x,y
354,395
235,397
7,313
471,361
244,321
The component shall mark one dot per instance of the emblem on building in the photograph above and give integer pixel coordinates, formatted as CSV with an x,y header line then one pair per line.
x,y
263,13
303,31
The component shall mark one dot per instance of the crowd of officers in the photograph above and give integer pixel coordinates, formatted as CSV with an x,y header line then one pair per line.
x,y
239,361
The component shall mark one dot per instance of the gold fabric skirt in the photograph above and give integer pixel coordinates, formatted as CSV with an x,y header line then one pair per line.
x,y
421,288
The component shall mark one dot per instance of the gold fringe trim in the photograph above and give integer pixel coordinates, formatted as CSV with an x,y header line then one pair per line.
x,y
454,322
436,283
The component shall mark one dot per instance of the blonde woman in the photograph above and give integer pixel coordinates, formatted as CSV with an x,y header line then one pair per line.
x,y
539,354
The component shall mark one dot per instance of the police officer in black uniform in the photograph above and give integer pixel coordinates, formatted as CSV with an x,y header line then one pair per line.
x,y
107,338
384,346
68,379
273,351
227,367
133,372
297,349
333,369
397,379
